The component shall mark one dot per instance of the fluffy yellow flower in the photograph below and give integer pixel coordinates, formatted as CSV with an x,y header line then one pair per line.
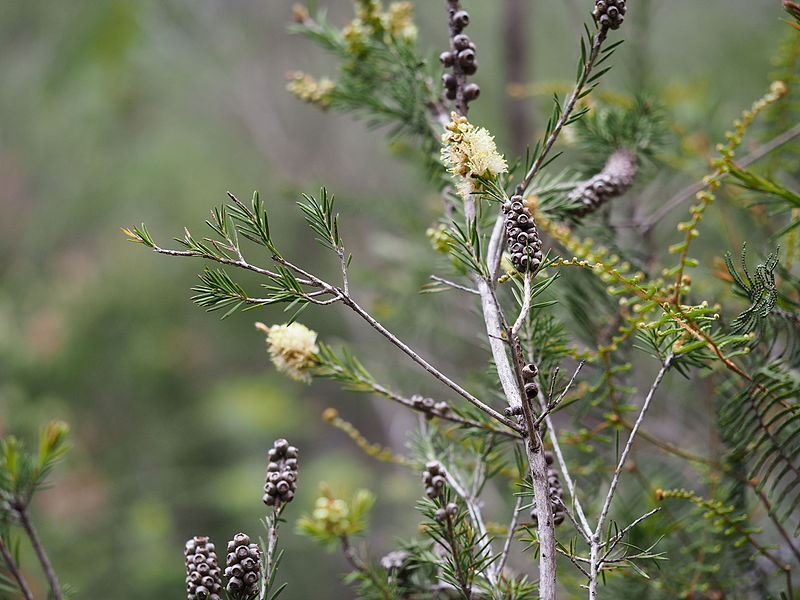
x,y
310,89
469,151
399,21
291,349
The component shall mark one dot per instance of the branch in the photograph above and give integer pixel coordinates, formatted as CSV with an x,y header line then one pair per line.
x,y
24,519
13,568
588,66
501,563
348,301
631,437
409,403
454,285
596,561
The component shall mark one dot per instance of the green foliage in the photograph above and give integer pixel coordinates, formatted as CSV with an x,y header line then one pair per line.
x,y
335,518
23,473
382,79
761,424
760,290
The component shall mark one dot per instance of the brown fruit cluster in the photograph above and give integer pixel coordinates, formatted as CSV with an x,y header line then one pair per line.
x,y
523,240
281,483
614,180
434,477
430,406
202,570
609,13
243,567
461,58
556,493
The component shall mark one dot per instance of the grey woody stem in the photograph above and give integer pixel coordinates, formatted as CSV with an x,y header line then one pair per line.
x,y
510,374
13,568
38,548
596,561
512,527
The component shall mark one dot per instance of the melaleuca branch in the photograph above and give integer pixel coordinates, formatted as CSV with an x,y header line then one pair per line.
x,y
596,561
22,475
587,79
347,370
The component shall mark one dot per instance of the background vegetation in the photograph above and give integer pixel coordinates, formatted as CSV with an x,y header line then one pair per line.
x,y
118,111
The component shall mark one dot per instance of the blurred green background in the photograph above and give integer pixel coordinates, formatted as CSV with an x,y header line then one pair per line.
x,y
114,112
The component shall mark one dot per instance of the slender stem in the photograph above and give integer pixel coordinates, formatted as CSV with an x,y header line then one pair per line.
x,y
466,588
47,567
13,568
501,563
612,543
272,544
348,301
596,562
409,403
601,521
360,566
526,305
454,285
588,66
474,511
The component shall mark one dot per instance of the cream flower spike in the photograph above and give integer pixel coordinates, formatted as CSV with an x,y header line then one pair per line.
x,y
291,349
468,152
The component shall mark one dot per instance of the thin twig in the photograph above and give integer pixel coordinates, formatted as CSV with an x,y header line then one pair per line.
x,y
360,566
24,518
601,521
13,568
474,511
409,403
551,405
588,66
526,304
272,543
596,561
348,301
454,285
612,543
501,562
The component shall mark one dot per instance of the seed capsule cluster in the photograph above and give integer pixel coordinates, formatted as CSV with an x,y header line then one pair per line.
x,y
529,372
202,570
461,58
397,565
430,406
615,179
434,477
449,511
609,13
281,481
243,567
524,244
556,493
